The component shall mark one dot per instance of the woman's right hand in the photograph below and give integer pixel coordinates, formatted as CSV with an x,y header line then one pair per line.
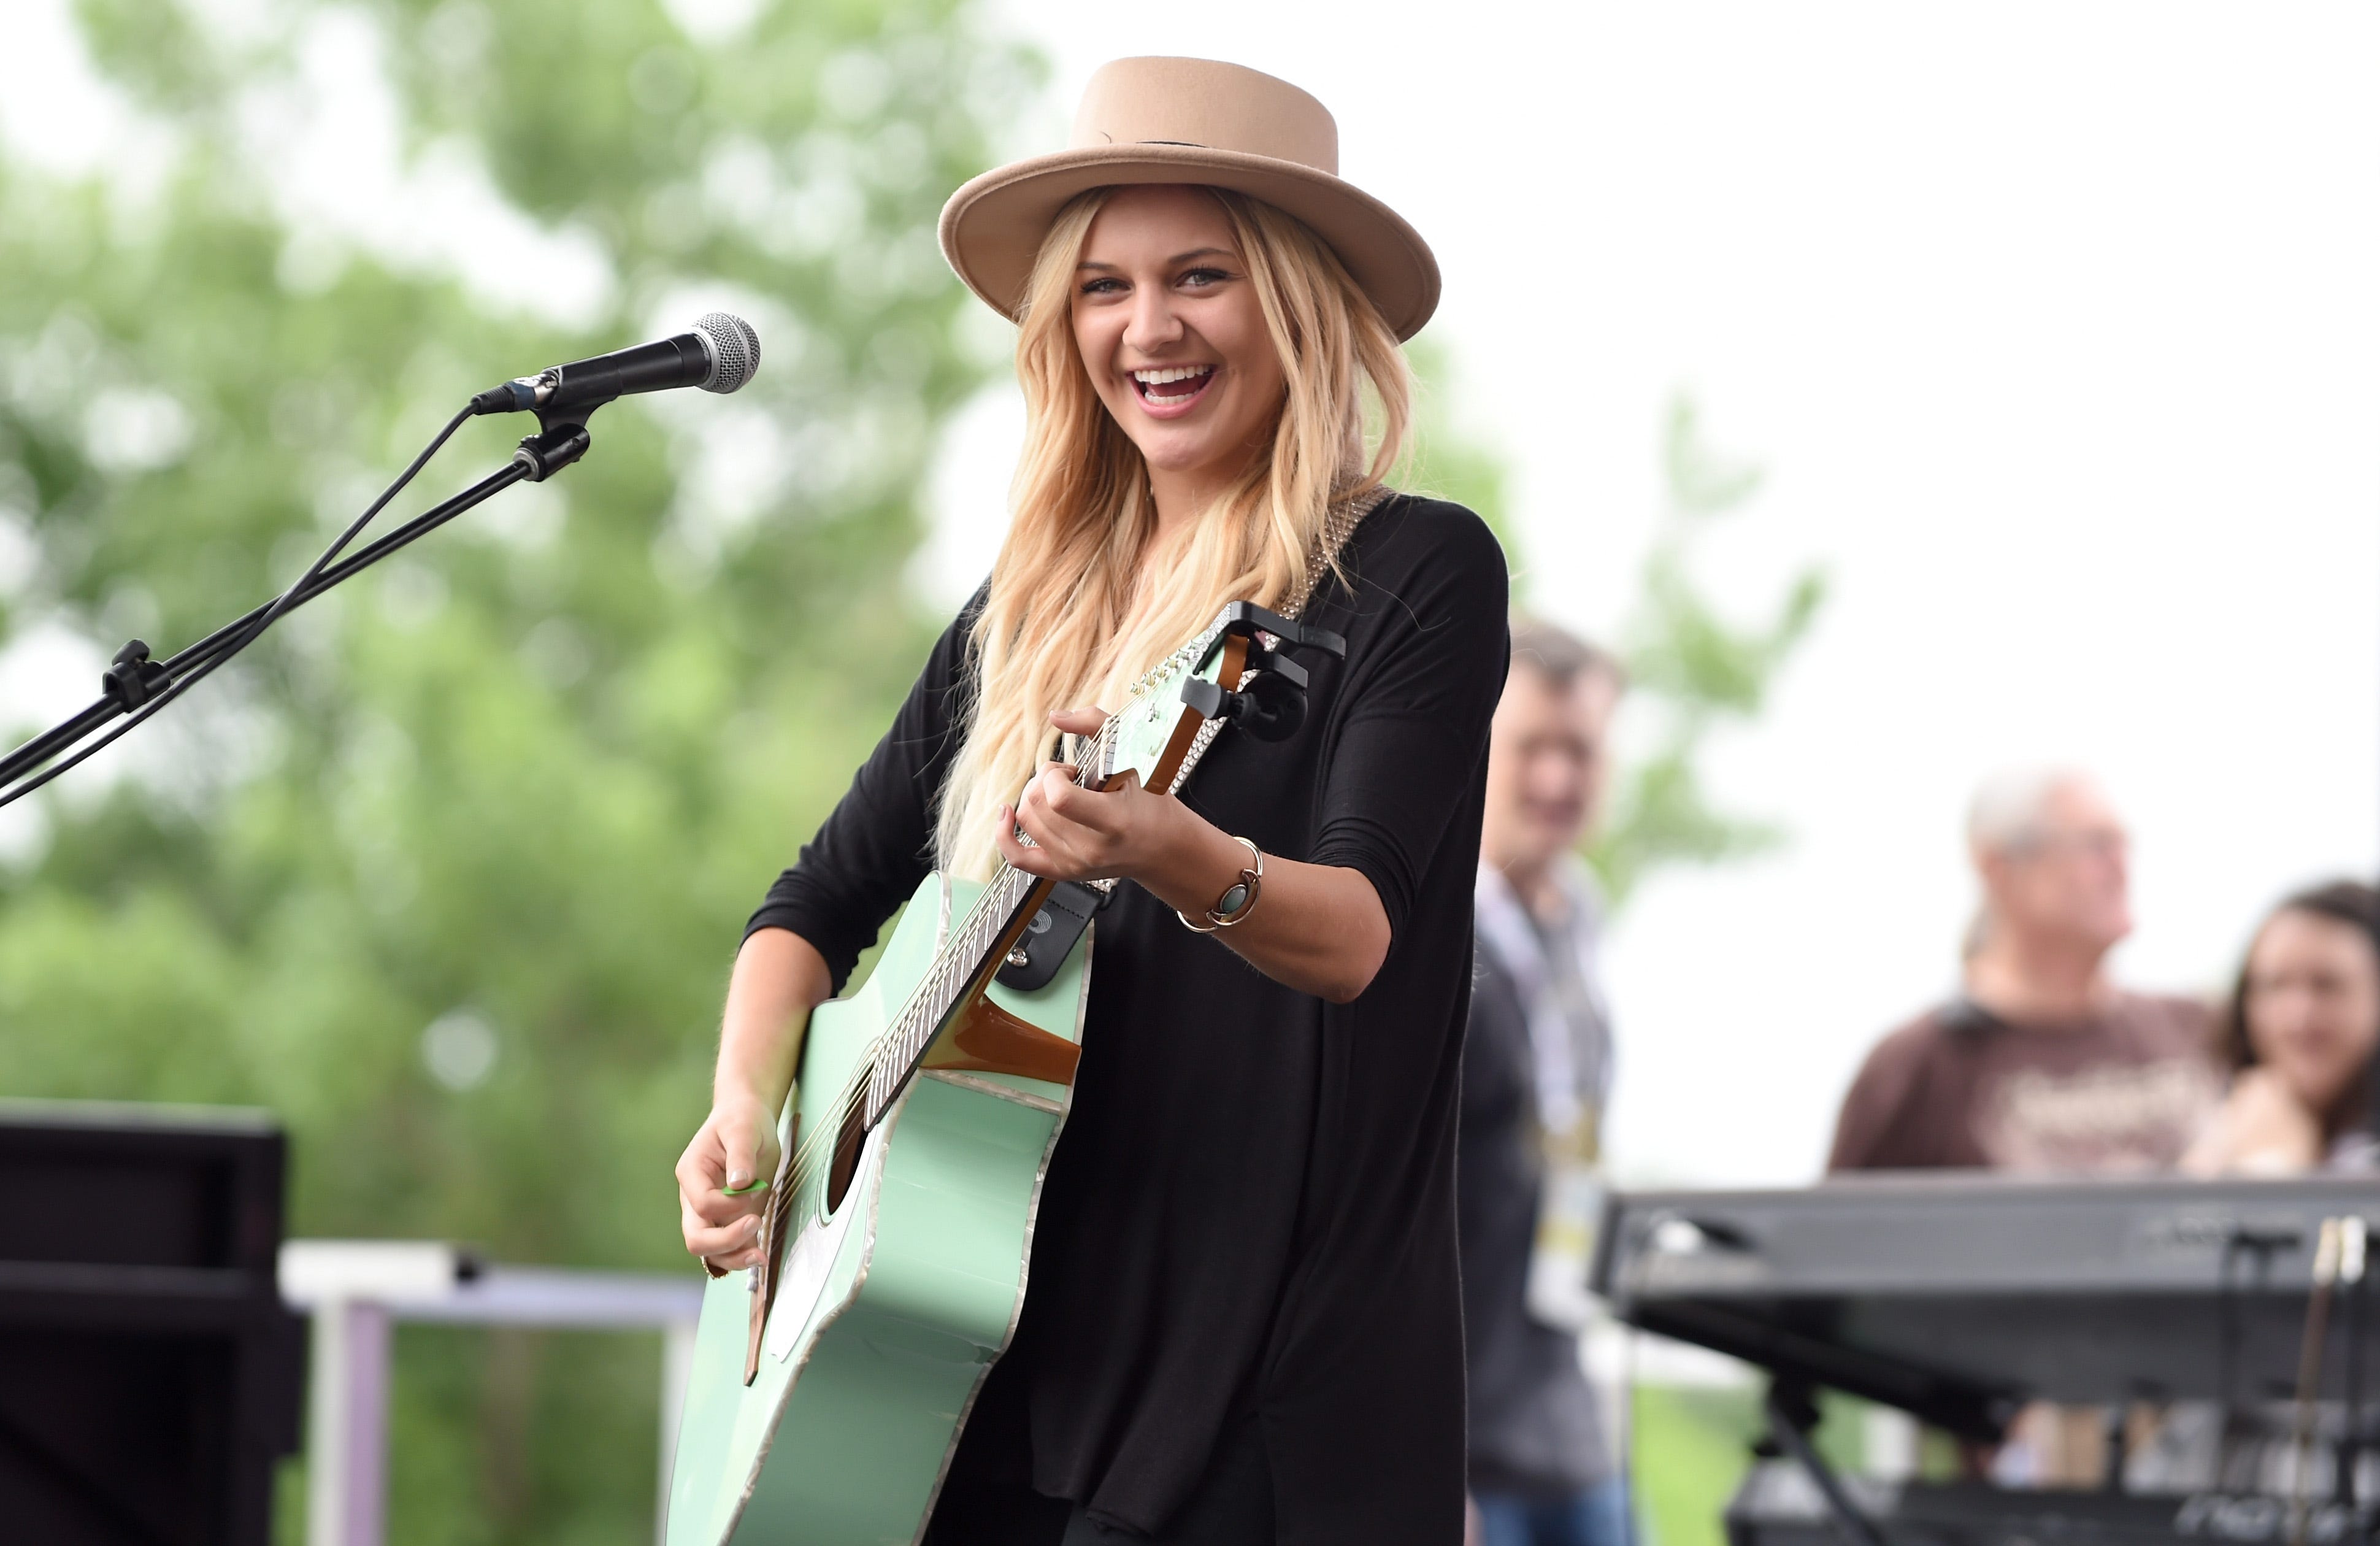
x,y
779,979
735,1146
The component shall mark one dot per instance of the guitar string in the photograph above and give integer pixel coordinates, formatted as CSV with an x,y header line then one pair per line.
x,y
972,939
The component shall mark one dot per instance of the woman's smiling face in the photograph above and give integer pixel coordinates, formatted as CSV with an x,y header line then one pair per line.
x,y
2313,1003
1170,329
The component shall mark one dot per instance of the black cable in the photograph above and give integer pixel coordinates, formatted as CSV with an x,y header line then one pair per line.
x,y
272,614
2227,1357
2115,1448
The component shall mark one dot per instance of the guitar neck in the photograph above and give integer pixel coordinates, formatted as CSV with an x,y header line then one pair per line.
x,y
971,957
960,967
967,961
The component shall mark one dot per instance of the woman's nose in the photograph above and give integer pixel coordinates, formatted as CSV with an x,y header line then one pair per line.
x,y
2293,1016
1154,324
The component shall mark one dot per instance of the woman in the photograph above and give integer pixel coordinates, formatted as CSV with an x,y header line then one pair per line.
x,y
2303,1026
1243,1318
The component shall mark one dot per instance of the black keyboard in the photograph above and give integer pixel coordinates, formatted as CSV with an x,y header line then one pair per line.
x,y
1779,1505
1956,1295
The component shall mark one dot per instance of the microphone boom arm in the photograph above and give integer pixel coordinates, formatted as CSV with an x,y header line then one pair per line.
x,y
133,680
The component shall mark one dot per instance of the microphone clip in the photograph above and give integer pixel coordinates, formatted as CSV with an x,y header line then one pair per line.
x,y
562,435
555,447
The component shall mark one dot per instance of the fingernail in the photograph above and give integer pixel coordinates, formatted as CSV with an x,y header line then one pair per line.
x,y
738,1179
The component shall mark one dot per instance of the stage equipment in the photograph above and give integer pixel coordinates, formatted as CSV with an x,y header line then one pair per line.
x,y
720,355
1956,1296
1779,1504
150,1375
828,1385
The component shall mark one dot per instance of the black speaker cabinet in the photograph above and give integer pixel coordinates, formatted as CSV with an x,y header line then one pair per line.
x,y
150,1375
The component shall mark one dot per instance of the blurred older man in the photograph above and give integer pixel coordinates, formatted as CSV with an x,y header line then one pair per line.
x,y
1535,1067
2041,1064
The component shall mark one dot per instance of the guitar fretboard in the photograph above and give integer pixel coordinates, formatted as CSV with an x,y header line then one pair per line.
x,y
965,958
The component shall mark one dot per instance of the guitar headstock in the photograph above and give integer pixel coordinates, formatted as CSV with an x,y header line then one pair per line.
x,y
1148,737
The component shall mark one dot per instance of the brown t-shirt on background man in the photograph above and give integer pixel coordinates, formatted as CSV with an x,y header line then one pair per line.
x,y
2124,1091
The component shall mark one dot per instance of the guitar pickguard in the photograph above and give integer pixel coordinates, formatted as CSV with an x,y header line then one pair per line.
x,y
986,1038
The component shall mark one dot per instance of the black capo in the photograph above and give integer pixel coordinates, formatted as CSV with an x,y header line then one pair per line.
x,y
1270,702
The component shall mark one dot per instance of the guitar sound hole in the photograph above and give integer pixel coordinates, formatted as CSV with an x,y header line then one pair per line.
x,y
846,1160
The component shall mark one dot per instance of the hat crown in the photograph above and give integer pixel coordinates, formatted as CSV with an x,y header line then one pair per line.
x,y
1205,102
1196,123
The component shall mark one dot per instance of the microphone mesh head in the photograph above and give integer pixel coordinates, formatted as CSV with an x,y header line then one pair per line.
x,y
734,350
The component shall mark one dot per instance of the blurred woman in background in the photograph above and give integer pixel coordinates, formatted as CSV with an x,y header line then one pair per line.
x,y
2300,1034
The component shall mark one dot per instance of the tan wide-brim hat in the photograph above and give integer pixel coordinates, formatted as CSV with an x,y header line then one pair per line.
x,y
1190,121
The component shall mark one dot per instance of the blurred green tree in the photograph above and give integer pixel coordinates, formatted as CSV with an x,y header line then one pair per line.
x,y
448,870
1447,462
1696,670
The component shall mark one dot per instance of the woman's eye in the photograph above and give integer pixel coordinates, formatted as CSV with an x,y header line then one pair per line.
x,y
1199,278
1104,287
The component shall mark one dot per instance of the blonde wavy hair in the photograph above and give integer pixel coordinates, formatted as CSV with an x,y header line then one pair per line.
x,y
1082,599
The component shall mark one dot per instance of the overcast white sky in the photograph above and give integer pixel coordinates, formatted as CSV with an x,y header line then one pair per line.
x,y
2055,326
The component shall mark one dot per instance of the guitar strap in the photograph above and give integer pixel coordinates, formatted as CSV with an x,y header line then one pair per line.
x,y
1337,527
1050,938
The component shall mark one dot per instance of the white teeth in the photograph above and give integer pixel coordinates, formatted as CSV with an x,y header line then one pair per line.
x,y
1179,373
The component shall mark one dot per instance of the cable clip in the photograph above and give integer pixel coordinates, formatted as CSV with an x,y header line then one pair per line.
x,y
133,678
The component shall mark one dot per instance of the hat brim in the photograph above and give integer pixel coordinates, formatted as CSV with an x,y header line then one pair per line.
x,y
992,228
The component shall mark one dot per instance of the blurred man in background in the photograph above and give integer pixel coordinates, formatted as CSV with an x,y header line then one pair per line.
x,y
1537,1066
2041,1064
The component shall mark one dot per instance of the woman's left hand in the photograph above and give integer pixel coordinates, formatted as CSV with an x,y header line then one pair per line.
x,y
1317,928
1088,834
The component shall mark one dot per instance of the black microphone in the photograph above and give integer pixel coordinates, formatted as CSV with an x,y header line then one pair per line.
x,y
720,355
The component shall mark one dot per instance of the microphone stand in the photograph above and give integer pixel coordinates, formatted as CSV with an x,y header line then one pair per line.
x,y
133,679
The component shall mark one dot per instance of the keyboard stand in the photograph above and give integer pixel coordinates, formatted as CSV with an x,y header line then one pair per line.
x,y
1792,1413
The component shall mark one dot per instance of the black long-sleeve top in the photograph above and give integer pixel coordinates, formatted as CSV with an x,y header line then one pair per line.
x,y
1251,1208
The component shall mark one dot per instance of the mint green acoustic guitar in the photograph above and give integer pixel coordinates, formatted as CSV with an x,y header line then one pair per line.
x,y
830,1384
